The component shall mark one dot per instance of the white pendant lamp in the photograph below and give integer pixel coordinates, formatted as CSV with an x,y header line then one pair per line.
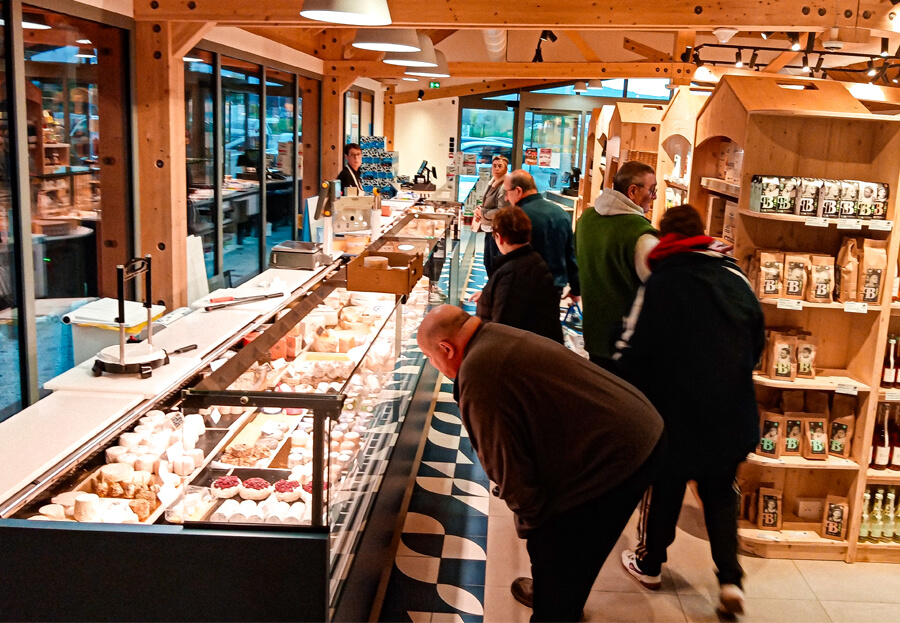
x,y
350,12
424,58
440,71
387,40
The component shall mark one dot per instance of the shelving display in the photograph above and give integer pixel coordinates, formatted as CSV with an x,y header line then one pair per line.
x,y
633,135
812,121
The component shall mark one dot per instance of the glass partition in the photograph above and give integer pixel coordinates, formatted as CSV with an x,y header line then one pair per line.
x,y
199,89
281,165
367,114
241,222
351,117
551,147
11,387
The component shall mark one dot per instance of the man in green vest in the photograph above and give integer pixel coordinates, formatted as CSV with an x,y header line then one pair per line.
x,y
612,242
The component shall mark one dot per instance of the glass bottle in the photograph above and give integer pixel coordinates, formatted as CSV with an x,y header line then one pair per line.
x,y
894,438
887,534
876,523
881,445
889,371
864,524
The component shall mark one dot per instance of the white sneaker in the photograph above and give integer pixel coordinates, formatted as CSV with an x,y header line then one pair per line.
x,y
731,600
630,562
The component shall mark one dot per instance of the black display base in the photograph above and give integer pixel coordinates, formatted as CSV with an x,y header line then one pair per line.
x,y
144,369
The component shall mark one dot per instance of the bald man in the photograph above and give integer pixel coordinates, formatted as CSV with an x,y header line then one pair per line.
x,y
571,446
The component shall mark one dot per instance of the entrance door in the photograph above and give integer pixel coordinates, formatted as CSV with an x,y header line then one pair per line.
x,y
551,147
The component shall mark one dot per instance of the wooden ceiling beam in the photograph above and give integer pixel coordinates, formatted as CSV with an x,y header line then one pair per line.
x,y
437,36
477,88
300,39
533,71
780,61
562,14
650,53
586,50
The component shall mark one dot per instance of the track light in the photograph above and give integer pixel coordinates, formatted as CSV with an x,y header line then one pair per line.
x,y
794,38
547,35
697,60
421,95
896,79
819,62
538,55
753,58
810,42
885,42
871,69
766,35
686,55
806,62
738,59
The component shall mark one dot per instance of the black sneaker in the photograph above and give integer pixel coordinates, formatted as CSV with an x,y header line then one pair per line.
x,y
495,491
522,590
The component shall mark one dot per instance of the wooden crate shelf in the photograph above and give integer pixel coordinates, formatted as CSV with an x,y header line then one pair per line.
x,y
827,380
721,186
882,477
848,225
836,306
878,552
789,543
798,462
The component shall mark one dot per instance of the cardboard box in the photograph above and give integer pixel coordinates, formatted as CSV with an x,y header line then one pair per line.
x,y
401,276
729,226
715,216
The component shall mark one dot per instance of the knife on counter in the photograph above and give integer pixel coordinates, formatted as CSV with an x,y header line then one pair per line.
x,y
241,301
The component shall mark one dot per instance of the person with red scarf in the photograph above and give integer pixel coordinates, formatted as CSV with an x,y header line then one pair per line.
x,y
695,332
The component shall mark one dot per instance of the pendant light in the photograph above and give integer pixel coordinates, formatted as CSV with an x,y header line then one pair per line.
x,y
424,58
580,87
349,12
387,40
440,71
85,51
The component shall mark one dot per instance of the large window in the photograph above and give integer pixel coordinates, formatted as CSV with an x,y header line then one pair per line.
x,y
76,88
199,91
487,133
281,157
358,115
10,378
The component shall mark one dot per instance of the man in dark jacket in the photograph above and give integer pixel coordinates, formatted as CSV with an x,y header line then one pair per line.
x,y
520,292
694,335
551,230
571,446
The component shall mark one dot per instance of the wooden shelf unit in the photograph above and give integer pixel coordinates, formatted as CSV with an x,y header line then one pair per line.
x,y
634,127
807,128
676,136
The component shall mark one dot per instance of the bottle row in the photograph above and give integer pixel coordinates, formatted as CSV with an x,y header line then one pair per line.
x,y
879,516
885,453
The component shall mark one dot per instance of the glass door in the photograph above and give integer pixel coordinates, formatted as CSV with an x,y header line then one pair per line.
x,y
551,147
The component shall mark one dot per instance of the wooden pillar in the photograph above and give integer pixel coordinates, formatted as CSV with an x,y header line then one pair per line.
x,y
330,43
162,177
390,114
310,91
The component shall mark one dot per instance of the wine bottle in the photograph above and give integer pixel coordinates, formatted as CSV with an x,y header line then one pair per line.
x,y
889,371
876,522
881,445
894,438
864,524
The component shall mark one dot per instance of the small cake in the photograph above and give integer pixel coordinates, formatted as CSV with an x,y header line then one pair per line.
x,y
87,507
53,511
225,486
255,489
287,490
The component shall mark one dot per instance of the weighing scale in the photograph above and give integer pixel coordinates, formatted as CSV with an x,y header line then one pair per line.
x,y
141,358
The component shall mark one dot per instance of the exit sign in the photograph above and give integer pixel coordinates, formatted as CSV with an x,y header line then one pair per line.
x,y
434,85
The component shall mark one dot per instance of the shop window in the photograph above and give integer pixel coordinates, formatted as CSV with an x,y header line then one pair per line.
x,y
77,107
351,117
281,164
244,164
11,385
199,90
487,133
366,114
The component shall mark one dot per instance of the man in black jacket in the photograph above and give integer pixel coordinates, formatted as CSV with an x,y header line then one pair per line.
x,y
520,292
694,335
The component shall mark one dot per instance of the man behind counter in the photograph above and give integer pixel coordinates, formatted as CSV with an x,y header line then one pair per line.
x,y
350,173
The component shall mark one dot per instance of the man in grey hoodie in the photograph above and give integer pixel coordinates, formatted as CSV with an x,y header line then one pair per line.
x,y
612,243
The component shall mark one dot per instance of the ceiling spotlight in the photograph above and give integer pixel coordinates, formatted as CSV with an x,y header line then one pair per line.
x,y
580,87
83,41
794,38
819,62
409,79
738,59
885,42
871,69
724,35
805,62
896,79
753,58
538,55
421,95
85,51
766,35
193,59
547,35
697,60
350,12
686,55
387,40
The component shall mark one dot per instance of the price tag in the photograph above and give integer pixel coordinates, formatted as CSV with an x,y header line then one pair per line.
x,y
846,388
855,307
177,420
881,225
849,223
215,416
789,304
167,494
892,395
816,221
279,363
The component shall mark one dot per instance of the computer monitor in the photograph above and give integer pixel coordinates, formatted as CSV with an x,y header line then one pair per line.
x,y
422,168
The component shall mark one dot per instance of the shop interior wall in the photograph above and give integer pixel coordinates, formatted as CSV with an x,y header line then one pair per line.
x,y
422,132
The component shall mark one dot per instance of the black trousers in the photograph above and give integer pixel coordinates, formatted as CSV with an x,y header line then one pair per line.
x,y
490,252
568,551
721,499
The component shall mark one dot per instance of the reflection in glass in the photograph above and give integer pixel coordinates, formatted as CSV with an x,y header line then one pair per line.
x,y
198,112
367,114
279,156
76,107
351,117
10,380
551,147
243,167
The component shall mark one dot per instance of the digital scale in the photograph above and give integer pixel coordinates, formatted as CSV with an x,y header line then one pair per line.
x,y
297,255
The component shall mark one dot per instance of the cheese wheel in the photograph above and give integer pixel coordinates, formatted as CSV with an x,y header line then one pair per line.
x,y
128,440
183,466
128,459
348,446
145,462
117,472
87,507
225,511
375,261
53,511
197,455
114,452
352,437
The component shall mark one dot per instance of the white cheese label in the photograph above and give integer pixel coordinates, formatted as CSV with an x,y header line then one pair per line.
x,y
215,416
893,395
855,307
881,225
849,223
789,304
846,388
816,221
